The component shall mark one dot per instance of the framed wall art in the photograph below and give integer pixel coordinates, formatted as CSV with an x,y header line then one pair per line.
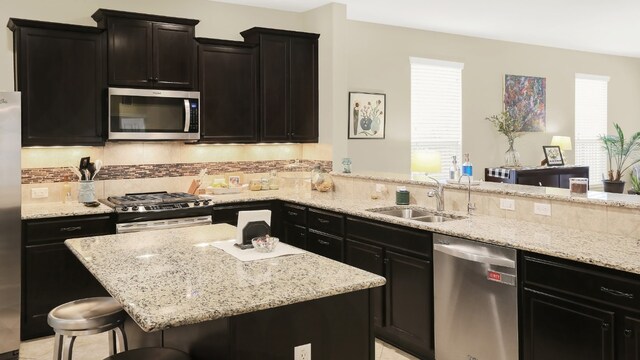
x,y
553,155
525,98
367,113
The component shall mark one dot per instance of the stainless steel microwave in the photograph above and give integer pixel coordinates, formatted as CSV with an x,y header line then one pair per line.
x,y
141,114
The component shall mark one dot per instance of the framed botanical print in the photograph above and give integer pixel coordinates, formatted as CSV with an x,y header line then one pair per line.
x,y
553,155
367,112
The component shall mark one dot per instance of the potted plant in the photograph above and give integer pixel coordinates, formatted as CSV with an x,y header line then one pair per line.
x,y
635,181
512,129
620,153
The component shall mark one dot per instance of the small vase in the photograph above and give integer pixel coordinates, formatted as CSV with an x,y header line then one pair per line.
x,y
511,157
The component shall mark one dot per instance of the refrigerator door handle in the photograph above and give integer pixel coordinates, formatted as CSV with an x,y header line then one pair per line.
x,y
475,257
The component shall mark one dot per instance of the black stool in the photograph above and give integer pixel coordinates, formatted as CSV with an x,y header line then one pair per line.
x,y
151,353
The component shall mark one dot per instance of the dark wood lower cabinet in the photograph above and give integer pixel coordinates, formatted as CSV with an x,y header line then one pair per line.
x,y
295,235
631,333
562,329
369,258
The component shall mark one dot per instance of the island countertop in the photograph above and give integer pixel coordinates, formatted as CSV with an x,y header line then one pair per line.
x,y
170,278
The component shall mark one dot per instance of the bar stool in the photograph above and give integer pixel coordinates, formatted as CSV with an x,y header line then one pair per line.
x,y
152,353
87,317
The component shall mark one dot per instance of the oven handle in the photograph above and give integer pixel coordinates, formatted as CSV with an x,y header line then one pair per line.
x,y
187,115
162,224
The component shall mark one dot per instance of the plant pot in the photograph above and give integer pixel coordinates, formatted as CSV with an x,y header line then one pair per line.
x,y
613,186
632,192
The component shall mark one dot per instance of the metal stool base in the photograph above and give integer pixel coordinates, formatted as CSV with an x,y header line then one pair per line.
x,y
64,339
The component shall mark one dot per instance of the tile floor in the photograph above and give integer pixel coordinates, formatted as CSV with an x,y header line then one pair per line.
x,y
95,348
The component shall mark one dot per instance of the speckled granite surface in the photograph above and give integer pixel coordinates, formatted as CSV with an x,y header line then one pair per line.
x,y
48,210
170,278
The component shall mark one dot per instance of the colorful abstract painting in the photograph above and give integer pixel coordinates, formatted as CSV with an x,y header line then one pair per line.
x,y
525,98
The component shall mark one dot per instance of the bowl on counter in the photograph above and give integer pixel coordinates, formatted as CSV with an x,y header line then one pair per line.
x,y
265,244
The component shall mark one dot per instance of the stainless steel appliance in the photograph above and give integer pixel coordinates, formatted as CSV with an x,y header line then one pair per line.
x,y
10,218
476,300
159,210
150,114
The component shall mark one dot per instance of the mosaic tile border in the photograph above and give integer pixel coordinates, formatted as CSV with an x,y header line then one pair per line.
x,y
123,172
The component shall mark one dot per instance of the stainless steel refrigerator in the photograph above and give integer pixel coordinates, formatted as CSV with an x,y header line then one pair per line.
x,y
10,227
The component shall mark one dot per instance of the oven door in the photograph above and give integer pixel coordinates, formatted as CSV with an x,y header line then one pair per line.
x,y
142,114
162,224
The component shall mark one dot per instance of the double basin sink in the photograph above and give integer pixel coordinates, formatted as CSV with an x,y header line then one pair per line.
x,y
417,214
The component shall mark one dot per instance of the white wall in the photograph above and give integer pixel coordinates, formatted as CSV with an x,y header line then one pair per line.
x,y
379,62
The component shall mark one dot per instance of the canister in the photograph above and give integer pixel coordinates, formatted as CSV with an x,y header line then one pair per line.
x,y
402,196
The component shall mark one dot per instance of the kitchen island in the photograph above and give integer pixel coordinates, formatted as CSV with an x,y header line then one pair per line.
x,y
184,293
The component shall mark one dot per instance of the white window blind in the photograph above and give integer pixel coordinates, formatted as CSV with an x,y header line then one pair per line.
x,y
591,122
436,109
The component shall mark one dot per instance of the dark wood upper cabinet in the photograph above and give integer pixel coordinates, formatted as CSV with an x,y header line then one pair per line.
x,y
60,71
228,82
149,50
288,84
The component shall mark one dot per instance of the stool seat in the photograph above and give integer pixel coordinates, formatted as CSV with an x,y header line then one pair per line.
x,y
150,354
90,313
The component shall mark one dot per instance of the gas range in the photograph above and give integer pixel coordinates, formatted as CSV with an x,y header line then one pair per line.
x,y
157,205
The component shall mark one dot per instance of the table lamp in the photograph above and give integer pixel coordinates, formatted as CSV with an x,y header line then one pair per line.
x,y
427,162
564,142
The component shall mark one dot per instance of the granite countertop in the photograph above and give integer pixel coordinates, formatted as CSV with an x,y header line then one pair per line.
x,y
58,209
169,278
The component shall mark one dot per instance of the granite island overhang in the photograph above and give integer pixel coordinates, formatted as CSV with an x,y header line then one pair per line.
x,y
187,293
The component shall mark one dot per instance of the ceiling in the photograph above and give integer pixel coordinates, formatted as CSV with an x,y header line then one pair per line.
x,y
602,26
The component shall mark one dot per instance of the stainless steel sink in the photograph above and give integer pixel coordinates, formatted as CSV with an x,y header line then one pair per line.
x,y
416,213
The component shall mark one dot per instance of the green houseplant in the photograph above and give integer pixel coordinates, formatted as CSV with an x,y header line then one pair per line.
x,y
620,153
512,129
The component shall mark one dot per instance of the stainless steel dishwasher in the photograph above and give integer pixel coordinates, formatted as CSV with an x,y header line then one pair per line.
x,y
476,300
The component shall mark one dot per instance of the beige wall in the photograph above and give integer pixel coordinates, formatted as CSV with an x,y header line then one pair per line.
x,y
379,62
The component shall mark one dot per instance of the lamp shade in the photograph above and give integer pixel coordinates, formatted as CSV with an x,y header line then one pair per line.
x,y
564,142
426,162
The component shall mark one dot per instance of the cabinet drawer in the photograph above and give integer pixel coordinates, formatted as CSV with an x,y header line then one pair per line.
x,y
229,213
414,241
325,245
326,222
582,281
295,214
57,230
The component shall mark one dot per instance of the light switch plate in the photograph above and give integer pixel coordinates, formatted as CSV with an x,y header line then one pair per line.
x,y
542,209
508,204
302,352
381,188
39,193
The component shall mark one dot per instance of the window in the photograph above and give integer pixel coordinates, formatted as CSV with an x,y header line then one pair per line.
x,y
591,122
436,109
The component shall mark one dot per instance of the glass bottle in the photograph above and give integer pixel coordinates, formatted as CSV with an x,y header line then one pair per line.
x,y
66,191
454,170
467,167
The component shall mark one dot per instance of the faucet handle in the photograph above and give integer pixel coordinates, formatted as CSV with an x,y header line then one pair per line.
x,y
471,207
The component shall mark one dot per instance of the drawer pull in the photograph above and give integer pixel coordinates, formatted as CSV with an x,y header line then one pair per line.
x,y
605,326
627,332
323,221
322,242
616,292
292,213
71,228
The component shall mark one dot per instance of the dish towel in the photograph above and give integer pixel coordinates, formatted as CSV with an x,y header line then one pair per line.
x,y
499,172
251,254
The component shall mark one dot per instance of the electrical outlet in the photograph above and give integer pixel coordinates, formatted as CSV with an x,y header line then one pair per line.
x,y
508,204
39,193
542,209
302,352
381,188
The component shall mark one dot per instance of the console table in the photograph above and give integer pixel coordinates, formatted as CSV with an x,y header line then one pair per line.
x,y
553,176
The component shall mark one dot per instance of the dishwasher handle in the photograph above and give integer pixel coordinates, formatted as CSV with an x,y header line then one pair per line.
x,y
455,251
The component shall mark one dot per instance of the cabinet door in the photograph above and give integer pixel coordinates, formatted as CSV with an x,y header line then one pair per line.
x,y
60,75
274,88
130,53
53,276
369,258
538,180
228,93
304,90
174,56
409,303
631,338
557,328
295,235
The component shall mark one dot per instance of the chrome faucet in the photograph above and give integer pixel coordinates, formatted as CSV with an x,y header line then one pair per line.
x,y
438,192
470,206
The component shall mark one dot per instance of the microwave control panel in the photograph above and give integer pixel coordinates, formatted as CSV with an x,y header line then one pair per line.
x,y
193,125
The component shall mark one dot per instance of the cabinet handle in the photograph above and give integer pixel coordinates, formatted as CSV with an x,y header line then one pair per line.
x,y
377,256
302,234
156,78
605,326
386,261
323,221
322,242
71,228
616,292
292,213
628,332
292,134
539,183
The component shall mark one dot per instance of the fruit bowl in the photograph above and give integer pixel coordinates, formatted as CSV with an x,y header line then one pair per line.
x,y
265,244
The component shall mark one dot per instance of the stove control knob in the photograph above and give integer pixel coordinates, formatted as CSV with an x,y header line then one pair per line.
x,y
124,208
196,203
206,202
134,208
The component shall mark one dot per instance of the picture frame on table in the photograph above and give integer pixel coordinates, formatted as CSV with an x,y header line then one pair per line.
x,y
553,155
367,115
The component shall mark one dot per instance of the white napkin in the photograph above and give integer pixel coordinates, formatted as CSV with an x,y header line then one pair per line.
x,y
251,254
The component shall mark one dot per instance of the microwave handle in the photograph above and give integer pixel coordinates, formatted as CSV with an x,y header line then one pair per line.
x,y
187,115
